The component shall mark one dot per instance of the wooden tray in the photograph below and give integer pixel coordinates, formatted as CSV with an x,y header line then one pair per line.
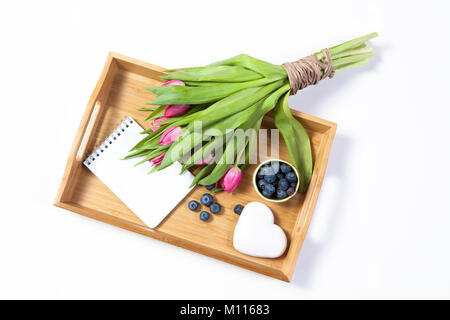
x,y
120,91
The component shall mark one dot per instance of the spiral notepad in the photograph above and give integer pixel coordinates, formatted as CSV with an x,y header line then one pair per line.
x,y
150,196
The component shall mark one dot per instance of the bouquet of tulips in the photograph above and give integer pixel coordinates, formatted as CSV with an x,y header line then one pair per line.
x,y
232,96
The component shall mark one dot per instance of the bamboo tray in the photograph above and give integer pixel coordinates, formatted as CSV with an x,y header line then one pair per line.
x,y
120,91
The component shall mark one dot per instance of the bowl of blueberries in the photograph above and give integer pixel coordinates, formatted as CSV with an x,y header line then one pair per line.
x,y
276,180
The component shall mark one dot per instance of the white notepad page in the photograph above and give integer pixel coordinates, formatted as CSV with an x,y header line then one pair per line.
x,y
150,196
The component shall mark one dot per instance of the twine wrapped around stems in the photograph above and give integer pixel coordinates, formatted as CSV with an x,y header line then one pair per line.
x,y
308,71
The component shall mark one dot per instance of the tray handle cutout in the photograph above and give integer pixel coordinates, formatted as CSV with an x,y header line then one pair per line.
x,y
93,119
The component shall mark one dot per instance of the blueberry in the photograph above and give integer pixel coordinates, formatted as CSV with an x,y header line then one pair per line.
x,y
267,194
293,184
269,188
280,176
291,177
266,170
290,191
275,166
215,208
193,205
283,184
260,174
270,178
204,216
211,186
281,194
261,184
285,168
238,209
206,199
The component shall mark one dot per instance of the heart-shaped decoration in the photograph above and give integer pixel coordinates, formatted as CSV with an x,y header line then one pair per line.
x,y
256,234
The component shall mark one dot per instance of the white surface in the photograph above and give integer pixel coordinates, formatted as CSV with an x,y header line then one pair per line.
x,y
256,234
133,185
381,225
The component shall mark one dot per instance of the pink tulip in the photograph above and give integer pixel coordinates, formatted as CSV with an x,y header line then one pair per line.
x,y
206,160
158,120
157,160
231,179
170,135
173,110
173,83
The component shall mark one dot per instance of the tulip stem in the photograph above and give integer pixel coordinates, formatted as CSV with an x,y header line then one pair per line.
x,y
241,152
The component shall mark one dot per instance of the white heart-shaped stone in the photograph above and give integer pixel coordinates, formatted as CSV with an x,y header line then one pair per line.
x,y
256,234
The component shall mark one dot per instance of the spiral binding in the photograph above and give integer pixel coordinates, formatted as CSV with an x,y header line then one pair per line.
x,y
109,140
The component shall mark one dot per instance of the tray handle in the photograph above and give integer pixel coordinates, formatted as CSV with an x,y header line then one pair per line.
x,y
92,124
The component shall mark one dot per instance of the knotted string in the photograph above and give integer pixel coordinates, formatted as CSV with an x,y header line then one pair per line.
x,y
309,70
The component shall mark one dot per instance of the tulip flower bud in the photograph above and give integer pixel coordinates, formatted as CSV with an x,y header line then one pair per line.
x,y
231,179
157,160
173,110
173,83
158,120
206,160
169,136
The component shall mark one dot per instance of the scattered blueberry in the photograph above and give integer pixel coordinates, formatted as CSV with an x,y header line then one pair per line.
x,y
238,209
280,176
261,184
215,208
269,188
204,216
193,205
290,191
285,168
281,194
206,199
270,178
211,186
291,177
283,184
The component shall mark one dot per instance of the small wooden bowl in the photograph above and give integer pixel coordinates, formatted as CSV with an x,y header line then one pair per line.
x,y
256,186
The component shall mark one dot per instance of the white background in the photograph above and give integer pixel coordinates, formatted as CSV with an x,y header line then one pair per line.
x,y
381,228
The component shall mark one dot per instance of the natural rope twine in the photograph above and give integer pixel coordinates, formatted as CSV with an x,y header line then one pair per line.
x,y
308,71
